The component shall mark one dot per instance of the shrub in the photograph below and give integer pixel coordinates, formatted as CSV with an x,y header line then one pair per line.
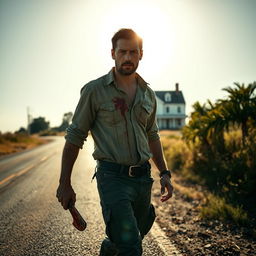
x,y
221,152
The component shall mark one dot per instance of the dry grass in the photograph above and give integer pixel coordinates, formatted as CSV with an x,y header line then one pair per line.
x,y
217,208
170,133
12,143
189,192
188,177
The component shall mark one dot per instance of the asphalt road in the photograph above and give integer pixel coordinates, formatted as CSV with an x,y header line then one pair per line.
x,y
32,222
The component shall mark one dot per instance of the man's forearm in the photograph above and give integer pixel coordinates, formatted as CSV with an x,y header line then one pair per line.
x,y
69,156
158,156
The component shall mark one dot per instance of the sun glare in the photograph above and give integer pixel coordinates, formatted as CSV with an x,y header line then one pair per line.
x,y
150,22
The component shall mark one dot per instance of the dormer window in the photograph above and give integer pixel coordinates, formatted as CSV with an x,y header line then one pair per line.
x,y
167,97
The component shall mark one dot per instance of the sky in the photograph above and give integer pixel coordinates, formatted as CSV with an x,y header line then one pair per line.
x,y
50,48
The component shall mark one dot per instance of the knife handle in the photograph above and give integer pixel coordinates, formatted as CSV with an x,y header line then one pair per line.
x,y
78,221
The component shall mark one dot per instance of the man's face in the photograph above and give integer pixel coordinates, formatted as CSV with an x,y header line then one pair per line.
x,y
127,56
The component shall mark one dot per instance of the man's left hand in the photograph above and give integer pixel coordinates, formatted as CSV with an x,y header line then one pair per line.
x,y
165,182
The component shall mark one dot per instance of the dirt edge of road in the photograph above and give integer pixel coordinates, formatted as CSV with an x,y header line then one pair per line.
x,y
179,219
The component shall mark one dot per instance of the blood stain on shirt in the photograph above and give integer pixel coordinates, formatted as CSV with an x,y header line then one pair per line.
x,y
120,104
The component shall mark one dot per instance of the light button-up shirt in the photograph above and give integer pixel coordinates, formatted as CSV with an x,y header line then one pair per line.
x,y
121,132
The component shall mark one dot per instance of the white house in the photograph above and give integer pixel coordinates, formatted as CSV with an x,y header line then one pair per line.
x,y
171,113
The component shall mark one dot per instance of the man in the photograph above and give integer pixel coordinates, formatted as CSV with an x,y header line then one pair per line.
x,y
120,111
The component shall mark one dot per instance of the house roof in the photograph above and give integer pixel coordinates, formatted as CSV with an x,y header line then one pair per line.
x,y
176,96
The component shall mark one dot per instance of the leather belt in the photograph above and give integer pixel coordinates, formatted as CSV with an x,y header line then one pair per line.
x,y
129,170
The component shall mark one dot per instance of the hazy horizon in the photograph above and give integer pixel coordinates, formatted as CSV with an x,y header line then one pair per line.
x,y
50,49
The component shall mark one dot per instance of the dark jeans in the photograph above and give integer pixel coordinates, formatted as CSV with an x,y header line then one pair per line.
x,y
126,208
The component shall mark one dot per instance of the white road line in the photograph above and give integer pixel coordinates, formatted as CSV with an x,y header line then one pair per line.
x,y
164,243
17,174
22,171
43,158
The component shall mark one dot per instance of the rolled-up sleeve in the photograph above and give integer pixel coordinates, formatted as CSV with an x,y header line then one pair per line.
x,y
152,128
83,118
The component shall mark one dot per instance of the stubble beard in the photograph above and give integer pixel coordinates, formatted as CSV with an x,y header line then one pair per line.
x,y
125,72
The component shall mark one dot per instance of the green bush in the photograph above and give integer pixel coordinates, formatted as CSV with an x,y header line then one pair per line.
x,y
221,153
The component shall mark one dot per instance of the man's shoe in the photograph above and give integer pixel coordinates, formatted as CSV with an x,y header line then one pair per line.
x,y
108,248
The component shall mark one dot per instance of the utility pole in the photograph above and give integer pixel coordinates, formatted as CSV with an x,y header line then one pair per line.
x,y
29,119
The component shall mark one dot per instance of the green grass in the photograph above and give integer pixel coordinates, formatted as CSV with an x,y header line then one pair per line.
x,y
218,208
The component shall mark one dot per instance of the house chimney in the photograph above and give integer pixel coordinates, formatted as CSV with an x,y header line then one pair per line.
x,y
177,87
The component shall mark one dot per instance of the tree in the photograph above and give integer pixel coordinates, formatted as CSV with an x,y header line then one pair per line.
x,y
65,121
197,128
21,130
208,123
239,108
38,124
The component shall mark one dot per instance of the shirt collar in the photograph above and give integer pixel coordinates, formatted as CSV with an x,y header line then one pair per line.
x,y
110,79
141,82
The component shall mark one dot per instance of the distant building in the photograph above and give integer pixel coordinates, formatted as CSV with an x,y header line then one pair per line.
x,y
171,113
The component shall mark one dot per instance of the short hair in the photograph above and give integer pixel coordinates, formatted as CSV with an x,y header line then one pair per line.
x,y
125,33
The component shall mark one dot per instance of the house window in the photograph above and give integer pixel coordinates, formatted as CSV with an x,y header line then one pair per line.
x,y
167,97
167,109
179,122
178,109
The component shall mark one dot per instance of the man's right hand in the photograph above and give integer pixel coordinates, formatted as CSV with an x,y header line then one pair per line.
x,y
66,195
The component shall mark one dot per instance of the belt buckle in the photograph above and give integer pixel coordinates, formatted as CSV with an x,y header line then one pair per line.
x,y
130,170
